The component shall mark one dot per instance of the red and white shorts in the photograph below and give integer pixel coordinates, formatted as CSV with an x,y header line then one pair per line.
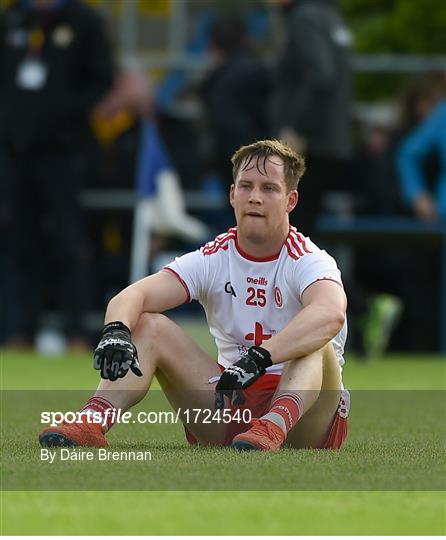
x,y
258,398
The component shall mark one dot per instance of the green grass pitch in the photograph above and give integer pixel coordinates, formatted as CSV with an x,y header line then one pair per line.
x,y
388,479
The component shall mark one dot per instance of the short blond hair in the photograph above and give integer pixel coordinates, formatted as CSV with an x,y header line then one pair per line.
x,y
293,163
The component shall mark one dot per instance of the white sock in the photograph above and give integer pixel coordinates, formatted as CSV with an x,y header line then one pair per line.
x,y
276,419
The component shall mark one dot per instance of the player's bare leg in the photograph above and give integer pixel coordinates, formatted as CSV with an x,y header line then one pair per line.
x,y
317,380
181,367
303,406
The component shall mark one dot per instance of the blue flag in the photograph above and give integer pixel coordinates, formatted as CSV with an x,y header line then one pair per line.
x,y
152,160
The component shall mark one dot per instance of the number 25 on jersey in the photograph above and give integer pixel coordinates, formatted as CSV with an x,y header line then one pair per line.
x,y
256,297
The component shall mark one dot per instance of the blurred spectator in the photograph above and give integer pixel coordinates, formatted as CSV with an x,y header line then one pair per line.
x,y
374,291
235,93
130,94
55,65
420,154
418,98
312,99
417,101
429,135
116,122
377,175
161,206
374,166
373,169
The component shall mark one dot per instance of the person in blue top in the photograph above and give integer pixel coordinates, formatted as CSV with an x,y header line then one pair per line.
x,y
429,136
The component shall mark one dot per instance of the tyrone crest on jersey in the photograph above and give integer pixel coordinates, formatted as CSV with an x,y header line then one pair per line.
x,y
278,297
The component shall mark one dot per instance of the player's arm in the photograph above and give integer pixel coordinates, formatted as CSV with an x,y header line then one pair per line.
x,y
116,353
322,317
153,294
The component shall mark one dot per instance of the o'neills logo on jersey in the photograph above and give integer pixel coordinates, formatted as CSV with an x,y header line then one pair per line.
x,y
257,281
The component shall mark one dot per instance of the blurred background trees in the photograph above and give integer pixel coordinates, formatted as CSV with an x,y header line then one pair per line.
x,y
393,26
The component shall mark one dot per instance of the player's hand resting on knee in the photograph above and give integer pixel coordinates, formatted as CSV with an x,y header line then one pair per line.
x,y
116,354
240,375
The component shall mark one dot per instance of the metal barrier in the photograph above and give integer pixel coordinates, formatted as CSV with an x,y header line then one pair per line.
x,y
122,199
143,211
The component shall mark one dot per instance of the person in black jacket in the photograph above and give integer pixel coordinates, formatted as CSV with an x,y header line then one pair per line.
x,y
312,99
234,93
55,65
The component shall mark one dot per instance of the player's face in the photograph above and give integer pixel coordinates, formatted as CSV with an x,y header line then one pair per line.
x,y
260,199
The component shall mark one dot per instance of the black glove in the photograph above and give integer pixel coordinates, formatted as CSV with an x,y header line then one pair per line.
x,y
240,375
116,354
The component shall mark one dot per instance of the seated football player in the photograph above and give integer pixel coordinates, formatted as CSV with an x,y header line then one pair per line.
x,y
275,305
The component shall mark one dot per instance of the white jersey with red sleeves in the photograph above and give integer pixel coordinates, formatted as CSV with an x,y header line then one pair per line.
x,y
247,300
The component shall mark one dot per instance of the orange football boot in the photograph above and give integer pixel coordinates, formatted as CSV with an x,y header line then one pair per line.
x,y
264,435
79,434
